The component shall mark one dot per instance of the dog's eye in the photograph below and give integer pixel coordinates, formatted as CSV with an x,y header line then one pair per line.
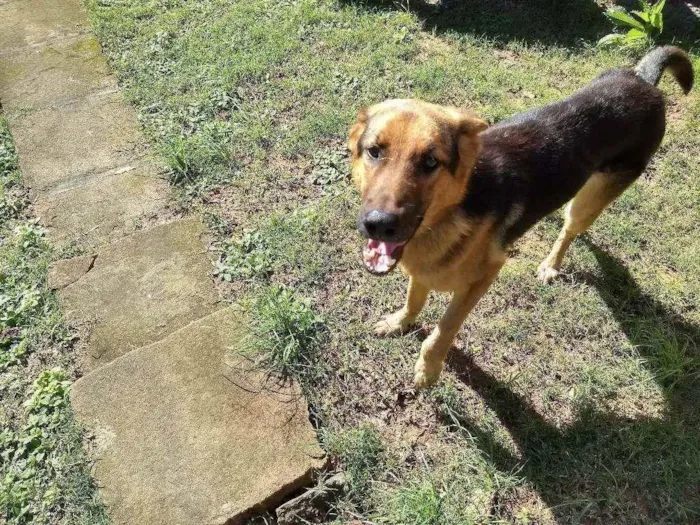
x,y
430,162
374,152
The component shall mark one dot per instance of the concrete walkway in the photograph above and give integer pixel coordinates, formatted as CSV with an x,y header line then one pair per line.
x,y
183,432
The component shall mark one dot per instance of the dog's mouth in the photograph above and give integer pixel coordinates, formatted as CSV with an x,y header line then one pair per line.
x,y
380,257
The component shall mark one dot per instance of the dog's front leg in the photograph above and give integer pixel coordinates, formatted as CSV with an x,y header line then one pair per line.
x,y
401,320
435,347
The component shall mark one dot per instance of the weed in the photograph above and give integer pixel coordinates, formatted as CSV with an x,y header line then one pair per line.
x,y
38,484
12,201
643,25
178,159
8,156
417,504
453,492
281,244
361,453
674,355
287,332
246,257
30,450
330,167
448,403
200,160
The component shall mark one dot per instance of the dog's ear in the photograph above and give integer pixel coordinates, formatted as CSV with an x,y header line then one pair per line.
x,y
468,140
357,129
470,124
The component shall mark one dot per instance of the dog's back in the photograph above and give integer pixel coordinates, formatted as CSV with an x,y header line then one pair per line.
x,y
535,162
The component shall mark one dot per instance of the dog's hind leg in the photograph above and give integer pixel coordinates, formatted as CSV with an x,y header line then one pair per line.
x,y
399,321
597,193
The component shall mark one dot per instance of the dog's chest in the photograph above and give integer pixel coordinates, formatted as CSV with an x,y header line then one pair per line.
x,y
453,276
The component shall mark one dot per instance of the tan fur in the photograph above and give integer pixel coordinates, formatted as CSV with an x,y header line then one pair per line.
x,y
448,252
597,193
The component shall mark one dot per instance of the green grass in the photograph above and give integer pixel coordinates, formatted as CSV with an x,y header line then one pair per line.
x,y
361,453
571,403
44,475
286,333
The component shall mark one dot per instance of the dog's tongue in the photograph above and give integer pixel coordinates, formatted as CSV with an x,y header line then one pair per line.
x,y
381,256
383,247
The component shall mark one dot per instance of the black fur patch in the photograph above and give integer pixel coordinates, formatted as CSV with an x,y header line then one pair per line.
x,y
541,158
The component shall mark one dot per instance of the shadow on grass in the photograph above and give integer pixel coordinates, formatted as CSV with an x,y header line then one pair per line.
x,y
531,21
569,23
670,344
605,468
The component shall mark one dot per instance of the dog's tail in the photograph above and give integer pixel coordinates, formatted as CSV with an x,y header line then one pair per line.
x,y
653,65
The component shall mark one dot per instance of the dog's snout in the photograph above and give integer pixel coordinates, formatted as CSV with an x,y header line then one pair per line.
x,y
381,225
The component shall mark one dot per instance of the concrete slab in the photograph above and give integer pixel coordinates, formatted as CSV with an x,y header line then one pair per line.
x,y
92,135
178,442
53,74
67,271
31,22
101,209
142,288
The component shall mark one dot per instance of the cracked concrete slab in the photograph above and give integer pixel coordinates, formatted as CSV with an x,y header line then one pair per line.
x,y
53,74
142,288
102,208
177,440
67,271
89,136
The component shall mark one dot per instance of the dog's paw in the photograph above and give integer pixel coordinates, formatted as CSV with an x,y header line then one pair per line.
x,y
547,273
427,373
391,324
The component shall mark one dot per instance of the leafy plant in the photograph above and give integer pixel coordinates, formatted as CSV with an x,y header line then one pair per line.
x,y
643,25
279,244
8,156
248,257
11,201
329,170
28,487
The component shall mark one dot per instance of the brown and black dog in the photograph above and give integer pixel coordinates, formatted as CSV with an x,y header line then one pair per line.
x,y
443,196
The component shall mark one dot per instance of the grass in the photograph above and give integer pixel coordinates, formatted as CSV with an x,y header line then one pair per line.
x,y
286,333
44,476
361,453
571,403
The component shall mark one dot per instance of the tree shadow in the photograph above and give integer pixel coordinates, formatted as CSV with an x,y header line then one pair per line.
x,y
531,21
606,468
568,23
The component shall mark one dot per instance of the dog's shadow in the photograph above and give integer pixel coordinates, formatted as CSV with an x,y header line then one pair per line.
x,y
607,468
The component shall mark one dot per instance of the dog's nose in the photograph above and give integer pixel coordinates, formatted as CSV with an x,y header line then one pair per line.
x,y
381,225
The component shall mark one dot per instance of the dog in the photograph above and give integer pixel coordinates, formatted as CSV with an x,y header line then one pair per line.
x,y
444,195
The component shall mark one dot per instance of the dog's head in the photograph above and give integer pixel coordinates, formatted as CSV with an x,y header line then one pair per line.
x,y
411,161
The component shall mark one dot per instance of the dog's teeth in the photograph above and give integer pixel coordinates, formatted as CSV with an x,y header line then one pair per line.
x,y
384,263
375,260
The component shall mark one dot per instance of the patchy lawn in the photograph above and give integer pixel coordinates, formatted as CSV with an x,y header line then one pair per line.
x,y
572,403
44,476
